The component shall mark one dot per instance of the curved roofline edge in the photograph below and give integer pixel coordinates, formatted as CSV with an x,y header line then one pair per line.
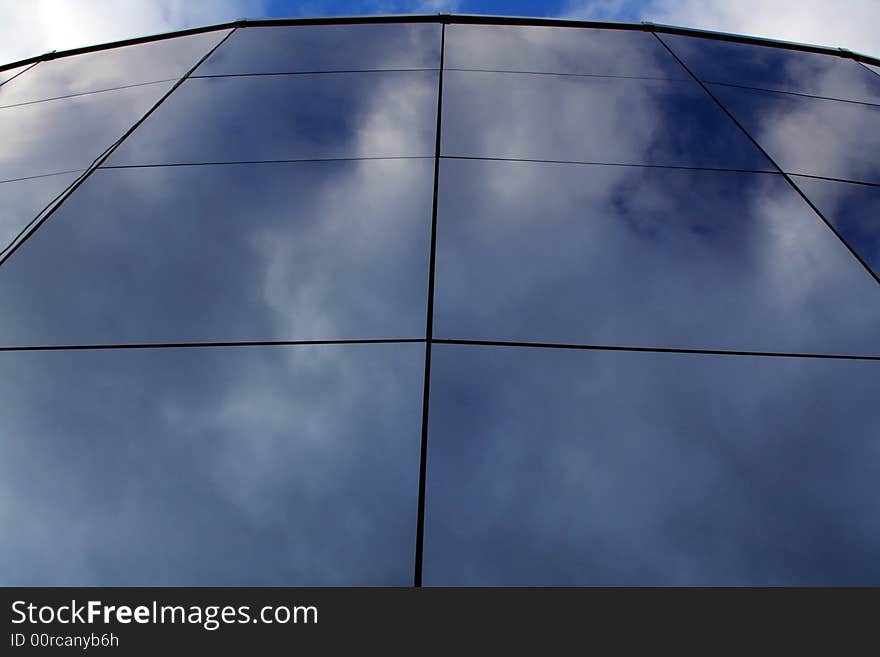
x,y
462,19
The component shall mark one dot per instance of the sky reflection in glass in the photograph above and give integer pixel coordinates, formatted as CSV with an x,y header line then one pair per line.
x,y
636,256
273,466
561,467
299,465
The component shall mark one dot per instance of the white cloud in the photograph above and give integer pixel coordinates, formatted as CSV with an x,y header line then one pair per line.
x,y
37,26
851,25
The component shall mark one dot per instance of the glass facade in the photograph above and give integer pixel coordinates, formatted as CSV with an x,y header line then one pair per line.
x,y
442,302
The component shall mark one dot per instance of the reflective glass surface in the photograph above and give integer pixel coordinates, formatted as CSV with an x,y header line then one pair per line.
x,y
11,73
550,466
854,210
780,69
637,256
314,250
591,193
810,135
579,51
876,69
303,48
68,134
280,117
272,466
590,119
22,200
107,69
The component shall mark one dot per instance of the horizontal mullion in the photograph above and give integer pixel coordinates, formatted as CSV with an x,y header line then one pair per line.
x,y
333,72
571,75
843,180
200,345
789,93
607,164
41,175
86,93
661,350
447,341
290,161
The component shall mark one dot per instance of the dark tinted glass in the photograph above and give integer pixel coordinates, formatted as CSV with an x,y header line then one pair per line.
x,y
68,134
270,466
22,200
781,69
106,69
10,73
565,467
326,48
854,210
638,256
578,51
810,135
314,250
290,117
590,119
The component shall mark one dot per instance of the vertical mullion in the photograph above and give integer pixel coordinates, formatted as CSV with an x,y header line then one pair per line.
x,y
429,329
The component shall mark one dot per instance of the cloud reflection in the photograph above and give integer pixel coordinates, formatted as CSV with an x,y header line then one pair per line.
x,y
559,50
853,209
167,59
289,117
810,135
309,48
592,119
779,69
234,466
634,256
559,467
299,465
68,134
22,200
328,250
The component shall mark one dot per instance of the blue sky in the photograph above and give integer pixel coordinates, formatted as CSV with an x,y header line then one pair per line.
x,y
34,27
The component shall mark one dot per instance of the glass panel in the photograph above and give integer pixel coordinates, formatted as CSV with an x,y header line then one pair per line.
x,y
305,48
68,134
107,69
249,466
854,210
647,257
876,69
580,51
10,73
320,250
561,467
592,119
22,200
810,135
781,69
290,117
